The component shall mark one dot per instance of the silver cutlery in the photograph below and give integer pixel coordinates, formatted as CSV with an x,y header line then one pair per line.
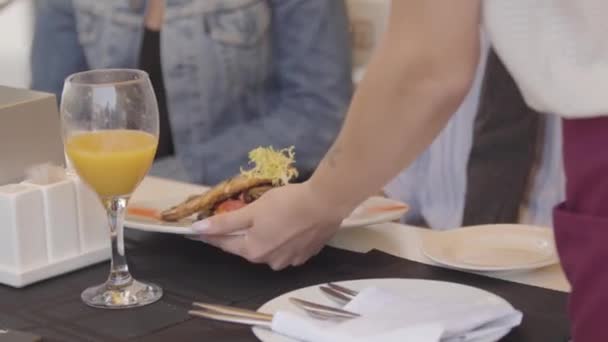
x,y
322,310
343,289
338,297
318,311
249,317
339,294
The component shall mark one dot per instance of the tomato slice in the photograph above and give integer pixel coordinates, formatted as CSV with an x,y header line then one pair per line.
x,y
230,205
144,212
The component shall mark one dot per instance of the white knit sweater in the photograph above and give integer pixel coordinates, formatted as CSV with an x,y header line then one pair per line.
x,y
557,51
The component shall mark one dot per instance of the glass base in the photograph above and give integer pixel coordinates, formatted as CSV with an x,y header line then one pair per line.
x,y
131,295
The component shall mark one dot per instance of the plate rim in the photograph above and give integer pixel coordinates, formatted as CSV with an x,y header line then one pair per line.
x,y
550,260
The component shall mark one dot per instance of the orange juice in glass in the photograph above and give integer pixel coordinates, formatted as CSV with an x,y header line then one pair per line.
x,y
112,162
109,119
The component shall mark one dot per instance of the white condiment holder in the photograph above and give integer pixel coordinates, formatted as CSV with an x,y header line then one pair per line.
x,y
49,229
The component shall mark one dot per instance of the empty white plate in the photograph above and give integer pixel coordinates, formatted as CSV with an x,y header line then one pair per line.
x,y
491,248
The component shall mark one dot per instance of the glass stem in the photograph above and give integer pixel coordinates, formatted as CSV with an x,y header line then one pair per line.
x,y
119,270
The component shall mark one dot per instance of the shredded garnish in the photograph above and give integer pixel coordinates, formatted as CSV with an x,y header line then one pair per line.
x,y
275,165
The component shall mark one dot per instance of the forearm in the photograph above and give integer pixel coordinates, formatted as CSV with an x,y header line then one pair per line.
x,y
415,81
385,130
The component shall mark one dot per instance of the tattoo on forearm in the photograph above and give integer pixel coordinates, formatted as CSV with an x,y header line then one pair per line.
x,y
332,156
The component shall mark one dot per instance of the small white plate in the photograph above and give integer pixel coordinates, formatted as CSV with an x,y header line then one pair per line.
x,y
492,248
405,287
157,194
375,210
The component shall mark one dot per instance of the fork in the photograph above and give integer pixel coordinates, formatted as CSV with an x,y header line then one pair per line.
x,y
322,310
343,289
340,294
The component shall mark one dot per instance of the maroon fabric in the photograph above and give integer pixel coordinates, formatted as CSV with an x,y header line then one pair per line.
x,y
581,226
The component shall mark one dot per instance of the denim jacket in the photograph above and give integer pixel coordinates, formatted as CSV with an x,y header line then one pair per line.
x,y
238,73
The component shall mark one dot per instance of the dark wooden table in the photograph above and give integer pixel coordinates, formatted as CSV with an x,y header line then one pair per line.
x,y
189,270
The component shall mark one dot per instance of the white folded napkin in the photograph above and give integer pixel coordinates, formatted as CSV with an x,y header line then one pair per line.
x,y
386,316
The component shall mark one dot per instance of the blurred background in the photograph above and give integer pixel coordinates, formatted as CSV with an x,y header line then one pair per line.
x,y
367,17
16,20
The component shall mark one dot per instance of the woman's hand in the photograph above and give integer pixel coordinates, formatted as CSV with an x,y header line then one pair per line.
x,y
286,226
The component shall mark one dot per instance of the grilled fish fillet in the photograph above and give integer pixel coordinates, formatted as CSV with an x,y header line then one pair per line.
x,y
206,201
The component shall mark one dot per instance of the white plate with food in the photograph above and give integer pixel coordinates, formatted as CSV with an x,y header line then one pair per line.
x,y
440,291
492,248
171,207
144,215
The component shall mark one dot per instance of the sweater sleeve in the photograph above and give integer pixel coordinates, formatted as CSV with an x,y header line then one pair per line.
x,y
556,51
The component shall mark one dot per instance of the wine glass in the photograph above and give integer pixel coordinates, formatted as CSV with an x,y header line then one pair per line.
x,y
109,120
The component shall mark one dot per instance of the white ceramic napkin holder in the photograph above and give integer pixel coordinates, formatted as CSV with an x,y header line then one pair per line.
x,y
49,229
